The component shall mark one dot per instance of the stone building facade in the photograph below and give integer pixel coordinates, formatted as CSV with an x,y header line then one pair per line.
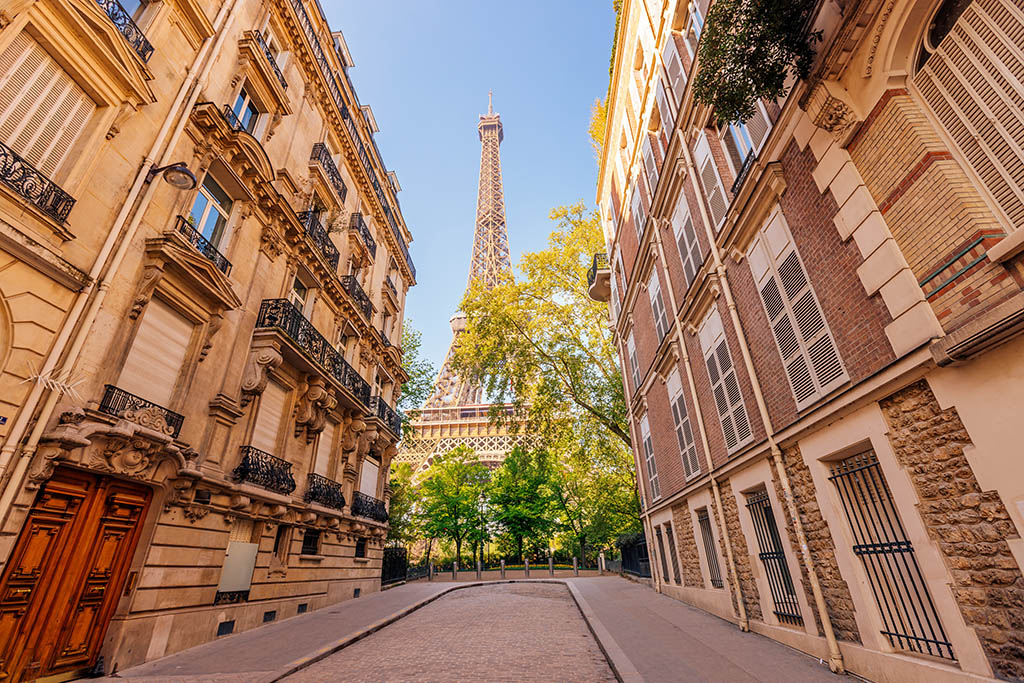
x,y
818,314
203,271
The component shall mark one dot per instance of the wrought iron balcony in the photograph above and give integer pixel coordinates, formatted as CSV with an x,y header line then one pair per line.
x,y
23,178
320,489
369,507
232,118
282,314
196,239
390,284
391,418
351,285
258,37
384,339
322,155
123,21
358,225
744,172
315,231
599,278
263,469
128,406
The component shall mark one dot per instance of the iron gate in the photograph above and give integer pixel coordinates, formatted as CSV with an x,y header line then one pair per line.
x,y
393,566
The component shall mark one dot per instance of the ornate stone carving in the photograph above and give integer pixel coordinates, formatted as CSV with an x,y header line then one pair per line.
x,y
830,111
876,37
150,277
315,402
271,242
194,513
262,358
216,322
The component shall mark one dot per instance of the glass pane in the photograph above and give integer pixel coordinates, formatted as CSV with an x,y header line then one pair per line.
x,y
240,102
249,117
199,208
218,195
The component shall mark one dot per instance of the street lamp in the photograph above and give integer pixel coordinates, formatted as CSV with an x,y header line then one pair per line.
x,y
176,174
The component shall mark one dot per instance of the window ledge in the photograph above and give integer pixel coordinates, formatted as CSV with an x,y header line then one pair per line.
x,y
312,558
362,560
1008,247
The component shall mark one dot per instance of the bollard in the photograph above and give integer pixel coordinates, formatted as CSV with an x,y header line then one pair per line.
x,y
478,570
430,572
575,567
601,566
526,568
503,569
551,566
455,571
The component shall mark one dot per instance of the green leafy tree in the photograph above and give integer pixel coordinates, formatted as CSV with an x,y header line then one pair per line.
x,y
521,497
450,497
402,520
748,50
421,372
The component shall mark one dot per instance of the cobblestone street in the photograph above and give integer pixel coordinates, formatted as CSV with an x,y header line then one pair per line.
x,y
507,632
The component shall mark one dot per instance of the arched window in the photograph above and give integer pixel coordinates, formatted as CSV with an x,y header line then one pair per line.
x,y
939,26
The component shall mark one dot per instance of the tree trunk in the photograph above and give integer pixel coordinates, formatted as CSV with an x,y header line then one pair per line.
x,y
458,550
583,548
430,545
519,544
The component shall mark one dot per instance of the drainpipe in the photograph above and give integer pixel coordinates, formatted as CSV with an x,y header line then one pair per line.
x,y
835,661
189,89
740,607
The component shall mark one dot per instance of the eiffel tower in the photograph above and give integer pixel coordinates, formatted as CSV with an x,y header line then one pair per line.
x,y
454,415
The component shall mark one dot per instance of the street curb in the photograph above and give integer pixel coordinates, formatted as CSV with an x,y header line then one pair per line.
x,y
620,664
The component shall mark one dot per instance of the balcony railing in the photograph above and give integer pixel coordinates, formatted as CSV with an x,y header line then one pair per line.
x,y
322,155
384,338
359,225
319,236
23,178
232,118
282,314
369,507
325,491
390,284
391,418
351,285
123,21
258,37
120,403
744,172
263,469
203,246
600,263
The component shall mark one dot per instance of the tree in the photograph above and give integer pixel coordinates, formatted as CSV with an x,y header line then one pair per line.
x,y
596,130
749,50
421,372
541,343
402,521
450,497
521,498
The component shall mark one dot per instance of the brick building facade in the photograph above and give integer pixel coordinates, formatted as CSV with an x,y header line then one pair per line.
x,y
817,312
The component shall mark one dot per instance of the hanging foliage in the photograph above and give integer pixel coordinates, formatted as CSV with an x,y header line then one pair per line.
x,y
749,50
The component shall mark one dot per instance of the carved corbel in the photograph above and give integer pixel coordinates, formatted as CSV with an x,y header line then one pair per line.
x,y
264,356
271,242
829,108
212,327
314,403
150,277
272,126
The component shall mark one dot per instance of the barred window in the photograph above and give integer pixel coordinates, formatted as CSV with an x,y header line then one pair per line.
x,y
704,522
773,558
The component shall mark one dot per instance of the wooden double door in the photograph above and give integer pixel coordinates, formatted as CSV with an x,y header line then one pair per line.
x,y
63,580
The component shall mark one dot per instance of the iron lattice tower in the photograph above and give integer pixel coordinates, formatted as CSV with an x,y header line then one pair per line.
x,y
453,415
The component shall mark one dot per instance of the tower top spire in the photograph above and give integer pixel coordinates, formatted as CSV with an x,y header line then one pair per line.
x,y
490,103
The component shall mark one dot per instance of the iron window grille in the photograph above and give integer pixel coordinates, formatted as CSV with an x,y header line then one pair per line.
x,y
910,619
780,583
311,542
360,547
709,548
661,552
670,537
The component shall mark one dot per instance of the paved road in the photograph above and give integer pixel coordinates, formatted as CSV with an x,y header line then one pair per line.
x,y
504,632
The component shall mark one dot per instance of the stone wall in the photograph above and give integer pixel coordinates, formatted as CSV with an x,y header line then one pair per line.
x,y
740,554
686,546
969,526
819,541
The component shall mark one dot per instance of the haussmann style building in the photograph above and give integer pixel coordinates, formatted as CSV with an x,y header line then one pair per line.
x,y
818,313
203,270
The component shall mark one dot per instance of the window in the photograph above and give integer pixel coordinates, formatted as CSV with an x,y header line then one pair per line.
x,y
709,547
273,402
741,140
732,413
634,366
686,239
780,583
211,211
657,305
639,213
246,111
802,336
674,69
880,541
670,538
615,297
360,547
661,553
282,543
652,467
694,26
684,430
368,477
650,163
664,113
324,447
42,110
311,542
714,190
971,75
158,352
299,294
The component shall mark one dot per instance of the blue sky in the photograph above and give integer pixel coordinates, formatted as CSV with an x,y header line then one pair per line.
x,y
425,69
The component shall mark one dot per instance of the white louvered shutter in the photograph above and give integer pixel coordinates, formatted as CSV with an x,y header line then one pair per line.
x,y
652,466
674,68
714,190
368,477
268,421
637,207
634,366
650,165
324,446
42,109
974,83
732,412
664,111
157,354
615,297
686,238
802,336
657,305
758,127
684,430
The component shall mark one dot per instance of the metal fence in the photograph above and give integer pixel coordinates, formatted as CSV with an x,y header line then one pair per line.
x,y
394,566
635,559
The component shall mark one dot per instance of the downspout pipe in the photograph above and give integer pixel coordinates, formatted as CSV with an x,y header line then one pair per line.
x,y
189,91
835,662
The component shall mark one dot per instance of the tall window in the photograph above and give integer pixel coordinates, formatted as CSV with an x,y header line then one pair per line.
x,y
684,429
686,239
772,556
637,207
664,112
732,412
670,537
368,476
246,111
634,366
802,336
650,163
657,304
299,294
269,416
652,466
211,211
282,543
42,110
746,138
674,69
158,352
694,26
661,552
708,539
324,447
714,189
